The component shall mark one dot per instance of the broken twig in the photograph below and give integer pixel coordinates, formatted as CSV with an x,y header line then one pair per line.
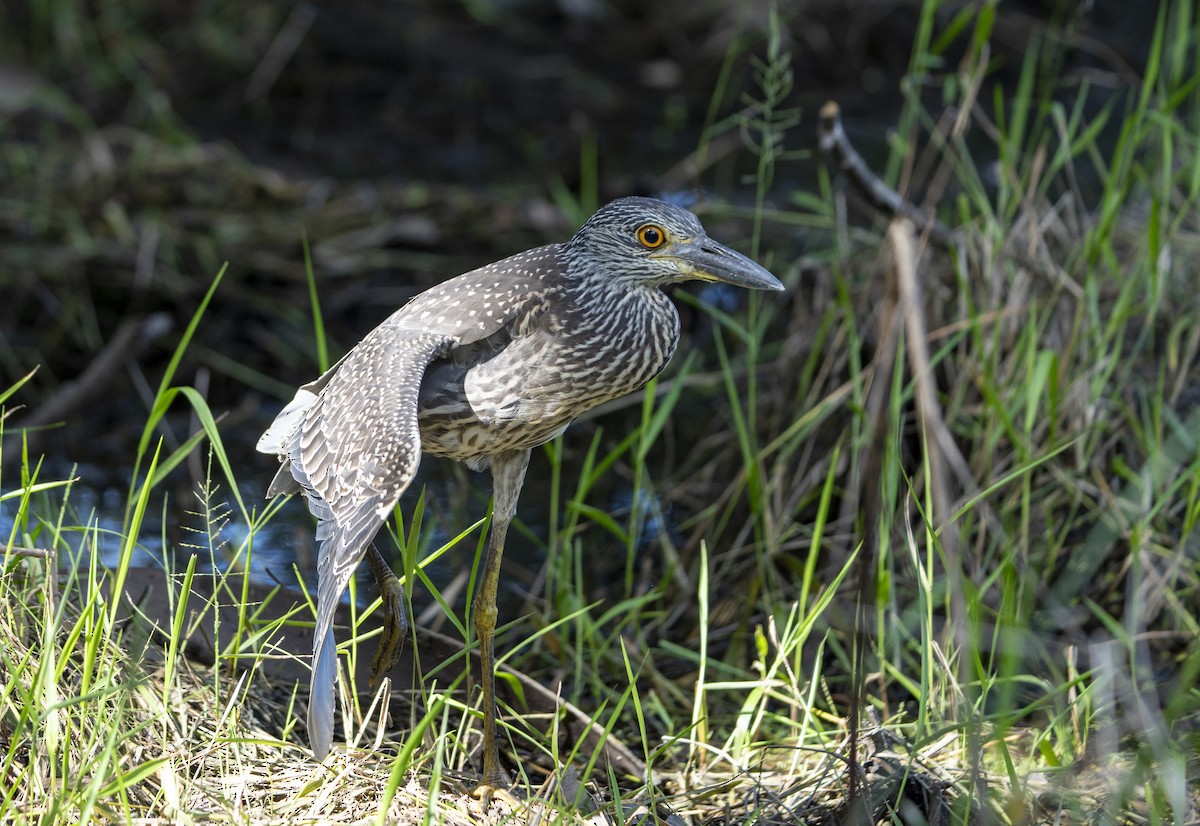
x,y
834,143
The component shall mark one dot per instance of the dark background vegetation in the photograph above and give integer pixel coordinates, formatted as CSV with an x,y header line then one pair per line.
x,y
145,143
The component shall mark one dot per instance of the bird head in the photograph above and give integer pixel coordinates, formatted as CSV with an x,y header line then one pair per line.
x,y
644,241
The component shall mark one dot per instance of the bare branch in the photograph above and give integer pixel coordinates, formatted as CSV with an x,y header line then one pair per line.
x,y
834,143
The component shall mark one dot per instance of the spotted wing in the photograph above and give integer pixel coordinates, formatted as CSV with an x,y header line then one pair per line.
x,y
351,443
354,451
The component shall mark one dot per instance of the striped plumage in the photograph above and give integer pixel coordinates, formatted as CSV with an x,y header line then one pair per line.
x,y
481,368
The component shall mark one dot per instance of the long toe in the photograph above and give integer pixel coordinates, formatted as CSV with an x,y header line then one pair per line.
x,y
395,630
395,620
486,792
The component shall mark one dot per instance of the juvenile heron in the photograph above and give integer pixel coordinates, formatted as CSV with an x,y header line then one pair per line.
x,y
482,368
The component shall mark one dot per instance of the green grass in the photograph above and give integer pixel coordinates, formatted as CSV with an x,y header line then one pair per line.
x,y
983,549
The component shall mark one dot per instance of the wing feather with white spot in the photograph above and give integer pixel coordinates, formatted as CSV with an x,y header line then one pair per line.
x,y
350,440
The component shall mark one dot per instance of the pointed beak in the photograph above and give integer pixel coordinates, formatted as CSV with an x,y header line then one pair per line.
x,y
705,259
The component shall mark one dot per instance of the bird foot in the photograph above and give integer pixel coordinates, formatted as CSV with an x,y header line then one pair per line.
x,y
498,789
395,627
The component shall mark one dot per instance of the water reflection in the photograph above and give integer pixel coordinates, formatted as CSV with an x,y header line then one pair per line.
x,y
84,522
92,512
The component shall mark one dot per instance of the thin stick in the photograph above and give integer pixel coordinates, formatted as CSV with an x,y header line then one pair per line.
x,y
833,142
31,553
869,509
285,44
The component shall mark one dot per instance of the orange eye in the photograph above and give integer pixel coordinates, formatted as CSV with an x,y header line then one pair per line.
x,y
651,236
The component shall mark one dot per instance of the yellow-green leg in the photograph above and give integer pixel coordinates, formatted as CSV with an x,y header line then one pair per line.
x,y
508,475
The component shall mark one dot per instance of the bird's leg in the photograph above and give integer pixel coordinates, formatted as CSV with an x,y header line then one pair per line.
x,y
508,474
395,621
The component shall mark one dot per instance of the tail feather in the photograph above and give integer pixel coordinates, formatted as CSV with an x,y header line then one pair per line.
x,y
339,553
321,690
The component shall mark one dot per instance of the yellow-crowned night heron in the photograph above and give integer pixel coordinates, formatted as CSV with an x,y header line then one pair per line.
x,y
482,368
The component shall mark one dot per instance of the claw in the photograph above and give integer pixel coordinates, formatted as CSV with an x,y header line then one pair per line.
x,y
395,621
498,789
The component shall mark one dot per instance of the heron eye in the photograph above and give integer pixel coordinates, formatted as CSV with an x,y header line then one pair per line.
x,y
651,236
